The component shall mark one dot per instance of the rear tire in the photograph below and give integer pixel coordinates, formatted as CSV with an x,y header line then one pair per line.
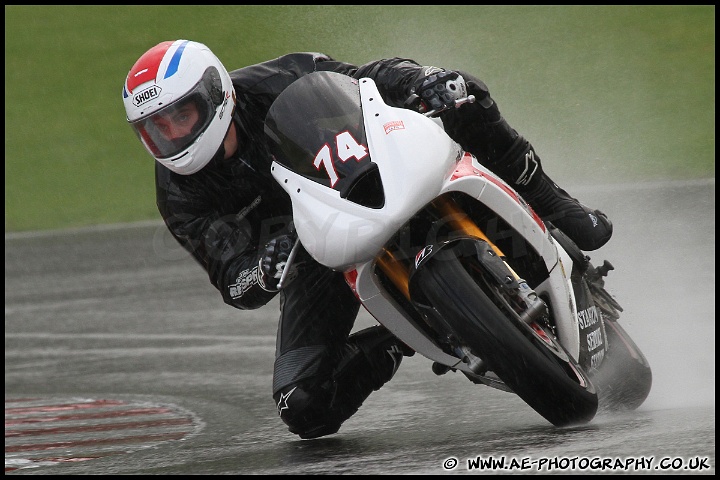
x,y
624,378
557,388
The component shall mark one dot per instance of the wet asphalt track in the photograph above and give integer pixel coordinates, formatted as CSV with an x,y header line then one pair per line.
x,y
120,358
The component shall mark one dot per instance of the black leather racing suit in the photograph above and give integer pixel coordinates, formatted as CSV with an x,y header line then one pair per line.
x,y
225,213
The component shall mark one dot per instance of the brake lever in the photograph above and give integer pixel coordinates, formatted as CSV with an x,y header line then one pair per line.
x,y
457,104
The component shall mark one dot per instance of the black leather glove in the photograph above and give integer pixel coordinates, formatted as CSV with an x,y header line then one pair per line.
x,y
437,90
274,260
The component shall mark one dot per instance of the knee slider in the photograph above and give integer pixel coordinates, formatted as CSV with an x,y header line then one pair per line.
x,y
306,411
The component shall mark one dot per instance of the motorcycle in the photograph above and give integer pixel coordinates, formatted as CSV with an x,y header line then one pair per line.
x,y
446,255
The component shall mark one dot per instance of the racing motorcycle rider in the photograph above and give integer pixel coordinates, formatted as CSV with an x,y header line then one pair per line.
x,y
204,127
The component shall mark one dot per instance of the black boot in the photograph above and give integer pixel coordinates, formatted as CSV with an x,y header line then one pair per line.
x,y
520,167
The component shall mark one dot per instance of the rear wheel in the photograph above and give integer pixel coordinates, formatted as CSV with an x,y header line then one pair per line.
x,y
527,358
624,378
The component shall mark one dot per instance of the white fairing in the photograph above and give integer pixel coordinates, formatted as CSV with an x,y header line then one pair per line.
x,y
339,233
417,162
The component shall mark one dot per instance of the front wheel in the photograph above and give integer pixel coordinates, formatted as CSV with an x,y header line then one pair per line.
x,y
531,363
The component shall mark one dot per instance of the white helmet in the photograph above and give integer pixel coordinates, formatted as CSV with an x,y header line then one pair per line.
x,y
163,82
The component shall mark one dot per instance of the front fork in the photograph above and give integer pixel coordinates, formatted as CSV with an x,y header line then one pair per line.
x,y
399,273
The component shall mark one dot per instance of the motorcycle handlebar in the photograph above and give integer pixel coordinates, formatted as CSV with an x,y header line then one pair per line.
x,y
289,262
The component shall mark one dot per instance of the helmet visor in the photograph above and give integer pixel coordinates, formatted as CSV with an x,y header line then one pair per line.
x,y
175,127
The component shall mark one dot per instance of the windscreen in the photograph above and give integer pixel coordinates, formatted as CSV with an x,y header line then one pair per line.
x,y
315,128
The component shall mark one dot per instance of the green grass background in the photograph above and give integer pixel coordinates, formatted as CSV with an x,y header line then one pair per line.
x,y
607,94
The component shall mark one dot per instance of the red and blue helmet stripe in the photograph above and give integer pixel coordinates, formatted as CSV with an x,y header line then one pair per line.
x,y
147,67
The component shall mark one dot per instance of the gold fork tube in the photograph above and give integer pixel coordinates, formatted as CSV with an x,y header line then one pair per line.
x,y
396,271
461,222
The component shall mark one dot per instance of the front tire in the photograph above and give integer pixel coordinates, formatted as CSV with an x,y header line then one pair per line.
x,y
551,383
